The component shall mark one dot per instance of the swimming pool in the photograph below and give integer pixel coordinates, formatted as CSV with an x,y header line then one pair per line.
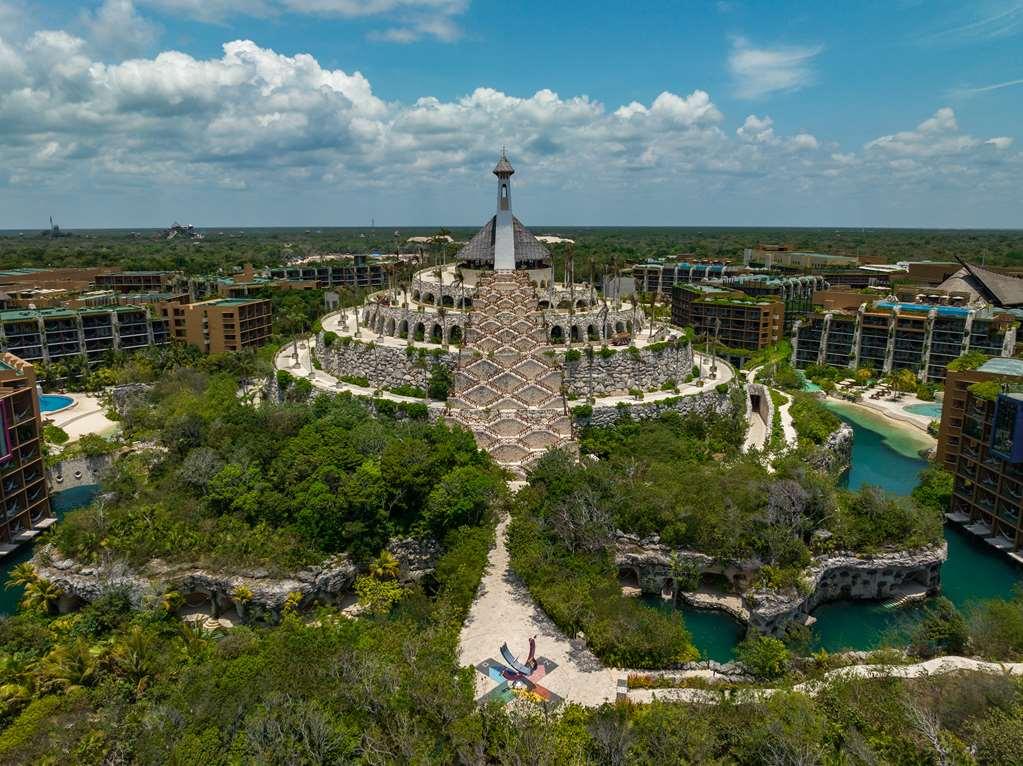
x,y
54,402
930,409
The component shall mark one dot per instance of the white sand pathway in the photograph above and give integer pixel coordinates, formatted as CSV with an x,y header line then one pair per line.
x,y
504,612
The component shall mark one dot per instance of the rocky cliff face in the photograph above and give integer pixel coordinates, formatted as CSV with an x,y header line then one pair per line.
x,y
652,567
835,455
266,594
846,575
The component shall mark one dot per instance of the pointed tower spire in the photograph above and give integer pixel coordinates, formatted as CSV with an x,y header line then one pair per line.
x,y
504,227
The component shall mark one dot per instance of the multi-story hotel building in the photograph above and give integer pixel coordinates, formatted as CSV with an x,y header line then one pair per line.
x,y
48,335
735,319
24,497
981,444
221,324
661,277
796,291
142,281
888,336
359,271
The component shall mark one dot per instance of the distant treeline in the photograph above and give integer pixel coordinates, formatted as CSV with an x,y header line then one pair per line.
x,y
603,247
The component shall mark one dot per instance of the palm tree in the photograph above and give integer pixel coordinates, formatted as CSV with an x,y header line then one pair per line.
x,y
69,667
22,575
385,566
135,657
40,596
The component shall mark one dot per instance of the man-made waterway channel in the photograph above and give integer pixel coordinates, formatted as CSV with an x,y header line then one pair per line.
x,y
887,456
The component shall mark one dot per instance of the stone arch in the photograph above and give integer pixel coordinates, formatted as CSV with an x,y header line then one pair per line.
x,y
574,334
544,304
419,331
437,334
628,577
199,600
564,303
580,304
591,332
447,300
467,302
415,296
403,328
428,299
557,334
455,335
619,326
389,327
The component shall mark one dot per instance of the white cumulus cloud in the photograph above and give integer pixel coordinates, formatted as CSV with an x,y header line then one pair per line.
x,y
254,119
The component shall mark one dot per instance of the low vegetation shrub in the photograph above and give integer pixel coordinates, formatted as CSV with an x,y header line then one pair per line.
x,y
407,390
440,382
765,657
813,422
355,380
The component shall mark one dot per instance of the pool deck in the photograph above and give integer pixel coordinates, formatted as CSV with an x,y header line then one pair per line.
x,y
86,416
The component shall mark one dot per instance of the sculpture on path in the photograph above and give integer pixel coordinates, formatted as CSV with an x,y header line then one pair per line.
x,y
518,679
521,669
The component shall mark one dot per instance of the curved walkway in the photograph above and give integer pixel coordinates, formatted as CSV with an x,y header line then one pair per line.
x,y
505,612
936,667
724,375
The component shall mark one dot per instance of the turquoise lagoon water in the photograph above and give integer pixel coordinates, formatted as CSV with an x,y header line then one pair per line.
x,y
887,457
930,409
54,402
62,502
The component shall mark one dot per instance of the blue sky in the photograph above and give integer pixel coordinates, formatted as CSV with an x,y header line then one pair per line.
x,y
330,112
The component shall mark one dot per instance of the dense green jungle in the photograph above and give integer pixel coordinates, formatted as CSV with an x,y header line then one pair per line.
x,y
226,248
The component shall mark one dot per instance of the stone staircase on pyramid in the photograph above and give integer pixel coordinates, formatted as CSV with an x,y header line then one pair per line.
x,y
507,390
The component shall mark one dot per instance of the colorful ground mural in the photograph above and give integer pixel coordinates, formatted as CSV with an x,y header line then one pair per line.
x,y
516,680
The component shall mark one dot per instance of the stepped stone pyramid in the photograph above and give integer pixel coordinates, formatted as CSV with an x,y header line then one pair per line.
x,y
507,391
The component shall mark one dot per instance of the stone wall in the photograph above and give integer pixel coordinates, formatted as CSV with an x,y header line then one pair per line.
x,y
644,369
706,403
326,583
381,366
765,410
78,472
